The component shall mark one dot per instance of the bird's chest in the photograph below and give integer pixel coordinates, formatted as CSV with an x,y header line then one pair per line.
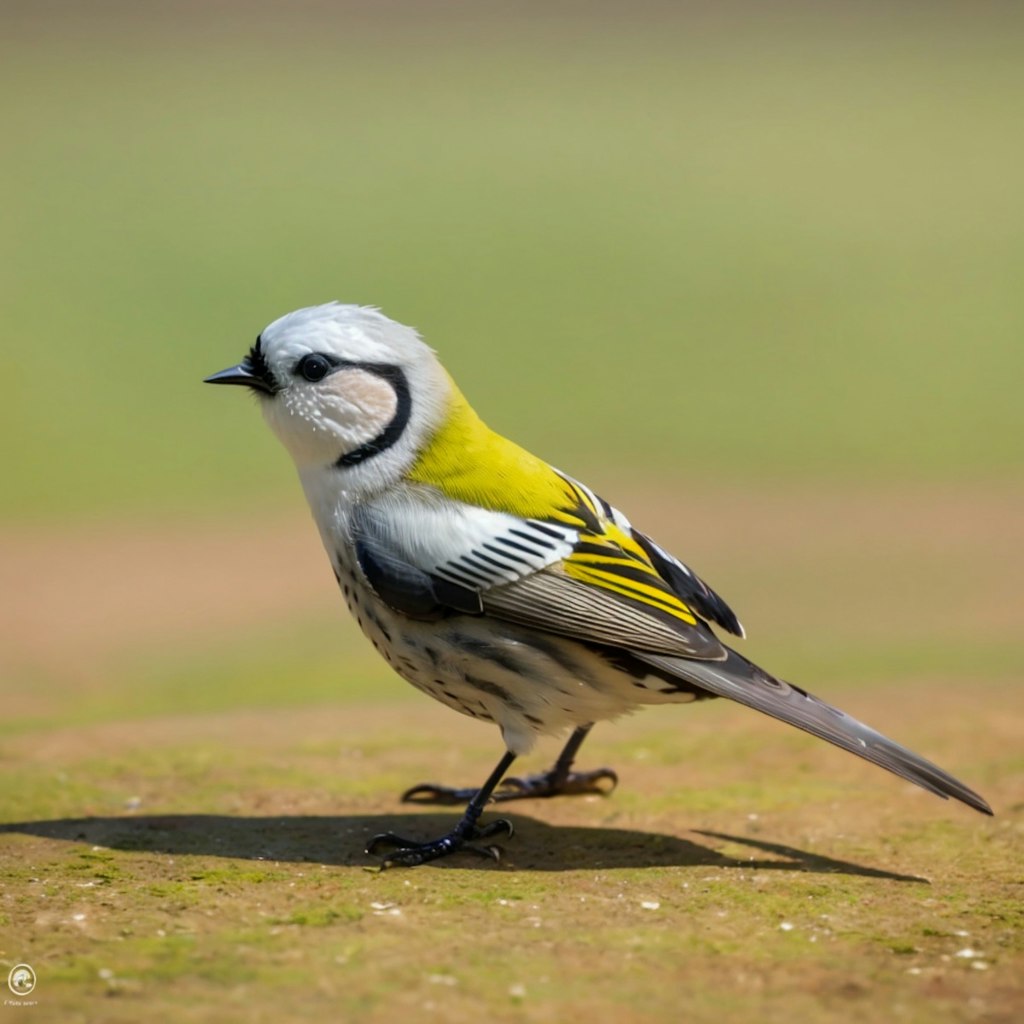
x,y
373,617
390,633
421,654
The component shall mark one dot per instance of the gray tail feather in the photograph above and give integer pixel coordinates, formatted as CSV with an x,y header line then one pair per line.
x,y
742,681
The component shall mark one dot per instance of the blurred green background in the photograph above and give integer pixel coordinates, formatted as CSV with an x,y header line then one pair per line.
x,y
711,242
755,274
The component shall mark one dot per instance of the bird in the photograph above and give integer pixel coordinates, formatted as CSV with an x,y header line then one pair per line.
x,y
495,583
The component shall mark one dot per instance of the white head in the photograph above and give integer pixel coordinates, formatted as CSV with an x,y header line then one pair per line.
x,y
346,390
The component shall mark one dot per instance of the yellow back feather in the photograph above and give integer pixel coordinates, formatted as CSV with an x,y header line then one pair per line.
x,y
469,462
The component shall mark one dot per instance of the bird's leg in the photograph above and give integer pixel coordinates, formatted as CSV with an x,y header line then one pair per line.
x,y
560,780
409,852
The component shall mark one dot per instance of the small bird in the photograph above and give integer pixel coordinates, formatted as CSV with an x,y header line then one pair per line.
x,y
493,582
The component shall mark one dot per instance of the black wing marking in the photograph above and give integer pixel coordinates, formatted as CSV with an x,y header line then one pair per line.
x,y
410,590
689,586
744,682
508,555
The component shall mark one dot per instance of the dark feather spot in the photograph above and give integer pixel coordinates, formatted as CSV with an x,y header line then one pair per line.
x,y
486,686
639,670
488,651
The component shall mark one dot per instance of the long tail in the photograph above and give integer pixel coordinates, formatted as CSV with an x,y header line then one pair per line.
x,y
742,681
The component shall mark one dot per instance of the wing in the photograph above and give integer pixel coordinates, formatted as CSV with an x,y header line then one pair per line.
x,y
582,571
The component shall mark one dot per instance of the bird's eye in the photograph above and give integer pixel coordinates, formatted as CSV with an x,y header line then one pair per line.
x,y
313,367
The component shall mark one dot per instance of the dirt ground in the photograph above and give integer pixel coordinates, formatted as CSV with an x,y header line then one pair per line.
x,y
209,865
98,587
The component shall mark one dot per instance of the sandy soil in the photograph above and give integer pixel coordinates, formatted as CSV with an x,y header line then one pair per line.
x,y
210,866
70,600
214,868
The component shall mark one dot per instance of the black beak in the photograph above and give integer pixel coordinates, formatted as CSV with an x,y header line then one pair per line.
x,y
243,373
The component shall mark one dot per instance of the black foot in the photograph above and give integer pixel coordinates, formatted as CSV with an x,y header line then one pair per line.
x,y
409,853
546,784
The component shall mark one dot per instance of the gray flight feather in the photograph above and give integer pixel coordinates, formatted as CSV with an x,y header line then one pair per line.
x,y
744,682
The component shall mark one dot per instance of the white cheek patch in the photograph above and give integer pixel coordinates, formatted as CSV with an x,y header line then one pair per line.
x,y
319,422
368,400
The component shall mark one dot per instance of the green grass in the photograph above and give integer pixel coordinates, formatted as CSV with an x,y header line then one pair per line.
x,y
243,886
768,247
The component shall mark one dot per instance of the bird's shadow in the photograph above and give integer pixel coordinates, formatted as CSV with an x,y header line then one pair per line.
x,y
340,840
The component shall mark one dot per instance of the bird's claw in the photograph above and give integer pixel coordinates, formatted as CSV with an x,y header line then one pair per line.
x,y
545,784
549,784
429,793
409,852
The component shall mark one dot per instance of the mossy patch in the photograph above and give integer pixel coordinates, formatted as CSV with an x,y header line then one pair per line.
x,y
239,878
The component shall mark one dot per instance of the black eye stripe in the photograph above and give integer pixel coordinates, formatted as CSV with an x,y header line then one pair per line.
x,y
332,364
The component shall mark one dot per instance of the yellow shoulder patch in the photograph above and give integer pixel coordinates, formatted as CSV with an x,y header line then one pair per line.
x,y
467,461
